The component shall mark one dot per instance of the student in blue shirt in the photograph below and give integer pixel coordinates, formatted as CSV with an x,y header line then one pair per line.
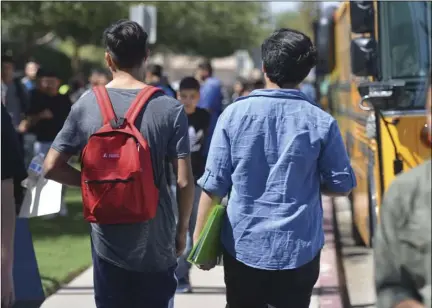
x,y
276,152
210,97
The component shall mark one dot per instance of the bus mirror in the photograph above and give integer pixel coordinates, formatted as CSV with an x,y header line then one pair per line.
x,y
362,16
381,95
325,42
364,56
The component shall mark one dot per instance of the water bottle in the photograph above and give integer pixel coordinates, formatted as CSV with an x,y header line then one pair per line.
x,y
34,171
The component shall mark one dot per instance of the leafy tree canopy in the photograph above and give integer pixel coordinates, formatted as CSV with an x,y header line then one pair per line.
x,y
301,19
210,29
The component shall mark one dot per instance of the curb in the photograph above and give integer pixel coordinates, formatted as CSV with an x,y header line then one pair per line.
x,y
328,282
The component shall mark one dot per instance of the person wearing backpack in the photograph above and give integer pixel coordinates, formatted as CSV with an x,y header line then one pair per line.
x,y
125,130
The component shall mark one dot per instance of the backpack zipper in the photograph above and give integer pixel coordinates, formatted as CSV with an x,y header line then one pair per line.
x,y
109,181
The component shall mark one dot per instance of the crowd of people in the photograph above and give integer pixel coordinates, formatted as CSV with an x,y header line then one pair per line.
x,y
273,151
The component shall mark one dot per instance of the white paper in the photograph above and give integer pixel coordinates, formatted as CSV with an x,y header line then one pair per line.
x,y
43,199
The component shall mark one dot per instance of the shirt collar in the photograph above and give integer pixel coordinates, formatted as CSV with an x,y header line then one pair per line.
x,y
293,94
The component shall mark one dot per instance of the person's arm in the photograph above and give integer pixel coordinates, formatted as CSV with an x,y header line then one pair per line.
x,y
179,153
337,176
34,113
392,286
216,180
185,192
66,144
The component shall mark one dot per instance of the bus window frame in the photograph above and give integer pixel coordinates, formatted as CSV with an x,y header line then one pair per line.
x,y
384,38
385,63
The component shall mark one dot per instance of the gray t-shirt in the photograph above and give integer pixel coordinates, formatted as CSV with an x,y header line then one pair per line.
x,y
148,246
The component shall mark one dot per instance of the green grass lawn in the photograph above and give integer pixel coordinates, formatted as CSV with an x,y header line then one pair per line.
x,y
62,244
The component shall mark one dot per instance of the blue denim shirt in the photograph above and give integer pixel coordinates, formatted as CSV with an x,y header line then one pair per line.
x,y
273,149
211,98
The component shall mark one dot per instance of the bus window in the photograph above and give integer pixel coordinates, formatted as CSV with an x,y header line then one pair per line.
x,y
409,29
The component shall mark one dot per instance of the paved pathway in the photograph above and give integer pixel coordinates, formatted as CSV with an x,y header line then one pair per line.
x,y
209,288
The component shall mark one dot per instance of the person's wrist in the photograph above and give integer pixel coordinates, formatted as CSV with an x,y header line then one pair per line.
x,y
182,227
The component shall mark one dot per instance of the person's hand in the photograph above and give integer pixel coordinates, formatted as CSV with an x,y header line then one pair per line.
x,y
23,126
207,266
181,237
410,303
7,287
46,114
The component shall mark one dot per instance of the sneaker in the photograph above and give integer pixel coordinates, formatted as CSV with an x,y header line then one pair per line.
x,y
184,286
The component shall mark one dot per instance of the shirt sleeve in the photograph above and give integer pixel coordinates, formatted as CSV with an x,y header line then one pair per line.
x,y
178,145
69,140
392,286
334,164
217,175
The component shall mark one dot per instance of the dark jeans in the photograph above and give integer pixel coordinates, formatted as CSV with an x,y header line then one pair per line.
x,y
116,287
19,191
248,287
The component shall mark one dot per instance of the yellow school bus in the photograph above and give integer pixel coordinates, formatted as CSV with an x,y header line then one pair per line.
x,y
376,58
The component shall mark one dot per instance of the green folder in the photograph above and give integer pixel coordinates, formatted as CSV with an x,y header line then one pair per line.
x,y
208,248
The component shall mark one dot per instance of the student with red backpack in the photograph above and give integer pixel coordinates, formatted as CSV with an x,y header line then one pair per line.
x,y
125,130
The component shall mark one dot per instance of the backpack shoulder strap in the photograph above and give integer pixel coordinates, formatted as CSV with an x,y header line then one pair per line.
x,y
105,105
140,101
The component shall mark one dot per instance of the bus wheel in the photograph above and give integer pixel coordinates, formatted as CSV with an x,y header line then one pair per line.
x,y
358,241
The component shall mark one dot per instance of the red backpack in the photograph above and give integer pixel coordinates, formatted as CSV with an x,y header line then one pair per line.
x,y
116,170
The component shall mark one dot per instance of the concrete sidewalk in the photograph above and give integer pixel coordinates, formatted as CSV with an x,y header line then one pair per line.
x,y
209,292
209,287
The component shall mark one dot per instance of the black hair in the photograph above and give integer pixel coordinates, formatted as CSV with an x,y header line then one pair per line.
x,y
249,86
155,70
31,60
189,83
126,42
42,72
7,59
98,71
288,56
206,65
259,84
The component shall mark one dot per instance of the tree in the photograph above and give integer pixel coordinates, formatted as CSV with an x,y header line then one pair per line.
x,y
27,29
87,29
211,29
83,22
301,19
